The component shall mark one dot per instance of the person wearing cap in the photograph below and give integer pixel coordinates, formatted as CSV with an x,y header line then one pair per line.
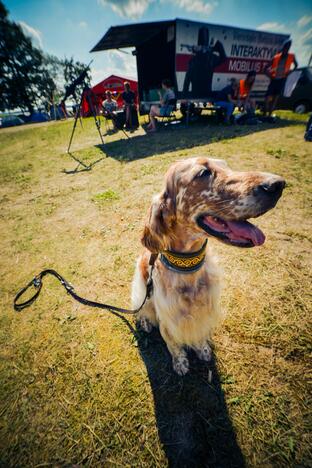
x,y
109,108
245,102
277,71
226,99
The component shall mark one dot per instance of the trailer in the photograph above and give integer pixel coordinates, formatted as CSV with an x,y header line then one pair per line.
x,y
199,58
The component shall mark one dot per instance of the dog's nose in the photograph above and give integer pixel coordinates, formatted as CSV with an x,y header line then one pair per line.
x,y
273,187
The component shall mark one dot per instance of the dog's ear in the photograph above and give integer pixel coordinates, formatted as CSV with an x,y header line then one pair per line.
x,y
157,230
220,162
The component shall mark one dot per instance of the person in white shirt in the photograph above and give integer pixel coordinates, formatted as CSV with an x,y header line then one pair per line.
x,y
167,103
109,108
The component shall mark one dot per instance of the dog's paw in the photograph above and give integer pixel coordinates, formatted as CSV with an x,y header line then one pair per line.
x,y
180,364
145,324
204,353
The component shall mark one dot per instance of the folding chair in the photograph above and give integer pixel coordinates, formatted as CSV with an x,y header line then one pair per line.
x,y
108,123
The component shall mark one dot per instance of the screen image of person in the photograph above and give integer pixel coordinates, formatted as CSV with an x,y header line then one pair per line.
x,y
198,78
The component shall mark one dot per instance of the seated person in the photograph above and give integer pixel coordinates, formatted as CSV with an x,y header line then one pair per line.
x,y
226,98
109,108
128,97
246,103
166,105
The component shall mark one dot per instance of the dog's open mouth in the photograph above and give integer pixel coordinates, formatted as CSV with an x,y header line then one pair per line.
x,y
237,233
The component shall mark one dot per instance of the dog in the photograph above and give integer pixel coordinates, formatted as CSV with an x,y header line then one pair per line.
x,y
202,198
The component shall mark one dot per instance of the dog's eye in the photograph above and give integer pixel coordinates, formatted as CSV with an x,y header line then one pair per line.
x,y
203,173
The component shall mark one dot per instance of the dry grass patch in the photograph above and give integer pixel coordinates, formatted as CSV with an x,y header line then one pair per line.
x,y
79,386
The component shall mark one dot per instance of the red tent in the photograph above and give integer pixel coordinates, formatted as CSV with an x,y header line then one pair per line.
x,y
112,83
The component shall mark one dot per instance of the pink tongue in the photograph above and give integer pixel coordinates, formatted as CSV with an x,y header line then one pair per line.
x,y
216,224
242,230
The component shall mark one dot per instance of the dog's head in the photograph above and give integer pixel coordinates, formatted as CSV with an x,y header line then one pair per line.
x,y
204,197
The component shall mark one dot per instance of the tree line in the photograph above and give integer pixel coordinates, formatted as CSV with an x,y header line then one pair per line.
x,y
30,78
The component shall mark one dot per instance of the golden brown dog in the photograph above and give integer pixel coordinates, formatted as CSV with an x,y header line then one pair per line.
x,y
202,198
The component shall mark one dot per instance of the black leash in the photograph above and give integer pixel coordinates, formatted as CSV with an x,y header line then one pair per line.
x,y
37,284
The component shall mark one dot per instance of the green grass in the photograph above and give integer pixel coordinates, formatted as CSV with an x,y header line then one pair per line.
x,y
108,195
77,386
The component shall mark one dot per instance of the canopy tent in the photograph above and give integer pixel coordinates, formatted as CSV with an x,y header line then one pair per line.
x,y
154,50
130,35
112,83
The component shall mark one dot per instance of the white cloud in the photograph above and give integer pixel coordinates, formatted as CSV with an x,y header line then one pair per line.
x,y
306,38
197,6
304,21
117,63
133,9
34,34
272,27
83,25
302,46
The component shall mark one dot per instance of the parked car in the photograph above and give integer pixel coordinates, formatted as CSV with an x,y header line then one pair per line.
x,y
10,121
300,99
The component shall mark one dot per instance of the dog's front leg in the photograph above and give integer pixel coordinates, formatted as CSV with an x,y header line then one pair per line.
x,y
203,351
146,318
180,362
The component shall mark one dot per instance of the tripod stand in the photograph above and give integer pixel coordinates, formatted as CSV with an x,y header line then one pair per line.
x,y
87,93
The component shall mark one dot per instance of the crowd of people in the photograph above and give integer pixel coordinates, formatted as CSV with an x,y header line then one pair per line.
x,y
237,94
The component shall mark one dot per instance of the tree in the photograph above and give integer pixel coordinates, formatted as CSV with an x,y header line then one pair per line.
x,y
72,71
28,77
25,82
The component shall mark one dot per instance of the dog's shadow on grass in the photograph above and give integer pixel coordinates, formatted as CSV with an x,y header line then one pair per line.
x,y
192,418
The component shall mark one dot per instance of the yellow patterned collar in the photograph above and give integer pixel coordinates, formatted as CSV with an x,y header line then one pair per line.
x,y
184,262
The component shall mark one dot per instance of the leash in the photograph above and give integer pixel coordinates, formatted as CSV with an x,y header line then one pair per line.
x,y
36,282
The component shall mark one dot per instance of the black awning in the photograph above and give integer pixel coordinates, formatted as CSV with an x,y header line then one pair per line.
x,y
130,35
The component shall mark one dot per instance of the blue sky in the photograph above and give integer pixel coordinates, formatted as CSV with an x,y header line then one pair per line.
x,y
73,27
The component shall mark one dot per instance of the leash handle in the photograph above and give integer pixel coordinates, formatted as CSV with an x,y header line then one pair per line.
x,y
36,282
20,306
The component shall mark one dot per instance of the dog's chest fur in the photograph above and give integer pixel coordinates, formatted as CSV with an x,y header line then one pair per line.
x,y
187,305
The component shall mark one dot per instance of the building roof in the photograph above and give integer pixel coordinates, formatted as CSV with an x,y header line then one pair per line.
x,y
118,77
98,88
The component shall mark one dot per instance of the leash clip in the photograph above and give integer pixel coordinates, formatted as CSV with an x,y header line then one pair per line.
x,y
67,285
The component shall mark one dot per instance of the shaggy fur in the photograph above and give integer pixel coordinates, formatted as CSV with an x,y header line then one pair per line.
x,y
186,307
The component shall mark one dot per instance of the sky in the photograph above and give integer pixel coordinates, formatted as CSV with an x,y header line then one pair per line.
x,y
70,28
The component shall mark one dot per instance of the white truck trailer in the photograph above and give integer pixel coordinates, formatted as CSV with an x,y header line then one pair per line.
x,y
199,58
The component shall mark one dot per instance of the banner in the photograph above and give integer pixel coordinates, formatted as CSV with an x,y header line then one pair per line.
x,y
207,56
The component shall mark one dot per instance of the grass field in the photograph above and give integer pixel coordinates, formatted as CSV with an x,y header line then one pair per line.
x,y
83,387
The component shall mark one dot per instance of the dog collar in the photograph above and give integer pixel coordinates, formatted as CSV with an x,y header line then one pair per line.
x,y
184,262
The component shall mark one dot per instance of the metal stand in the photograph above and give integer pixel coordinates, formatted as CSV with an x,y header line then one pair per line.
x,y
86,92
85,167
